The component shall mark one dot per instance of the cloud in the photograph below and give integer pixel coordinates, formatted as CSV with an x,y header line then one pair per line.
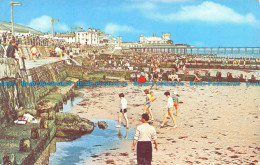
x,y
44,24
148,4
208,12
112,28
62,27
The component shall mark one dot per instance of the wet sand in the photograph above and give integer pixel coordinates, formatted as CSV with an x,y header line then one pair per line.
x,y
216,125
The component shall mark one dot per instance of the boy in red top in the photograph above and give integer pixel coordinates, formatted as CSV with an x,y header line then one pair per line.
x,y
141,79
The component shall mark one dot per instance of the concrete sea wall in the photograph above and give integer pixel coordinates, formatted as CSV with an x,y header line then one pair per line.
x,y
23,144
13,96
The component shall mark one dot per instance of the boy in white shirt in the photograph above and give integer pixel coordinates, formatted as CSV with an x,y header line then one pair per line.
x,y
169,108
123,111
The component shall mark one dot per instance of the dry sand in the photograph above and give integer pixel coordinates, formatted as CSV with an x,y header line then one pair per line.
x,y
216,125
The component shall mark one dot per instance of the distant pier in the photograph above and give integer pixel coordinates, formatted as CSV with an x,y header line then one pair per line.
x,y
223,51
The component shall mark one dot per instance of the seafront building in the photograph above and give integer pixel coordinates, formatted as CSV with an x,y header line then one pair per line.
x,y
95,37
68,37
165,39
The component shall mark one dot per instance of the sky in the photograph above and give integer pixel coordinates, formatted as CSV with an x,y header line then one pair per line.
x,y
195,22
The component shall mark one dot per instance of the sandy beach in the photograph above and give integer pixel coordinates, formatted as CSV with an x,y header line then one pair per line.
x,y
216,125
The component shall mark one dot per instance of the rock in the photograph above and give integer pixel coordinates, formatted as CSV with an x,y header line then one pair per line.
x,y
25,145
102,125
44,115
67,118
86,127
20,113
9,159
34,133
72,126
43,124
46,106
73,131
32,112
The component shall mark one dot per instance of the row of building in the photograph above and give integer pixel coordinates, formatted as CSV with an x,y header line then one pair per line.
x,y
92,37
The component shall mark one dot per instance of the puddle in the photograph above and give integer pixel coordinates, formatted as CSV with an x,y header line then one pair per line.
x,y
71,103
83,149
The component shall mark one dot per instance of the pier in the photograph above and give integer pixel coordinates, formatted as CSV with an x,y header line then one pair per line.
x,y
185,49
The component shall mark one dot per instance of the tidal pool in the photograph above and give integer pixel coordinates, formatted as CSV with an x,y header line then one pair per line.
x,y
71,103
84,149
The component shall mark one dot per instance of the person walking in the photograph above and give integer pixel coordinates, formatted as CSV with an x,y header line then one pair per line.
x,y
169,110
148,103
143,136
123,111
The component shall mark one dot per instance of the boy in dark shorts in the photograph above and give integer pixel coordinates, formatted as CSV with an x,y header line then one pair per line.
x,y
123,111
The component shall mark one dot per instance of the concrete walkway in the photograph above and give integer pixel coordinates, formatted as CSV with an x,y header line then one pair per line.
x,y
31,64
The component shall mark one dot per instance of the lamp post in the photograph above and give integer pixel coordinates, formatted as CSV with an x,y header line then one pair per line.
x,y
12,4
53,20
76,28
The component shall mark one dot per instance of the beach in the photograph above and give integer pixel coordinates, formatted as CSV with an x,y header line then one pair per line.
x,y
216,125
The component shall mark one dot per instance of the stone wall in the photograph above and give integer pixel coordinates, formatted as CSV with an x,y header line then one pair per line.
x,y
13,97
54,72
9,101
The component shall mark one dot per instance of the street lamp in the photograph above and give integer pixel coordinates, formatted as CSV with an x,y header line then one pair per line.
x,y
76,28
53,20
12,4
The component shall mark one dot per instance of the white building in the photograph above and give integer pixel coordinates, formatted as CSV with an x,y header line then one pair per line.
x,y
92,37
165,39
130,45
68,37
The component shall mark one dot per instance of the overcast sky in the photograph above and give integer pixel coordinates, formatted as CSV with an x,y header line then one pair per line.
x,y
194,22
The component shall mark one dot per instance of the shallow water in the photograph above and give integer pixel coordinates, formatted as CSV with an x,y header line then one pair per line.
x,y
71,103
83,149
